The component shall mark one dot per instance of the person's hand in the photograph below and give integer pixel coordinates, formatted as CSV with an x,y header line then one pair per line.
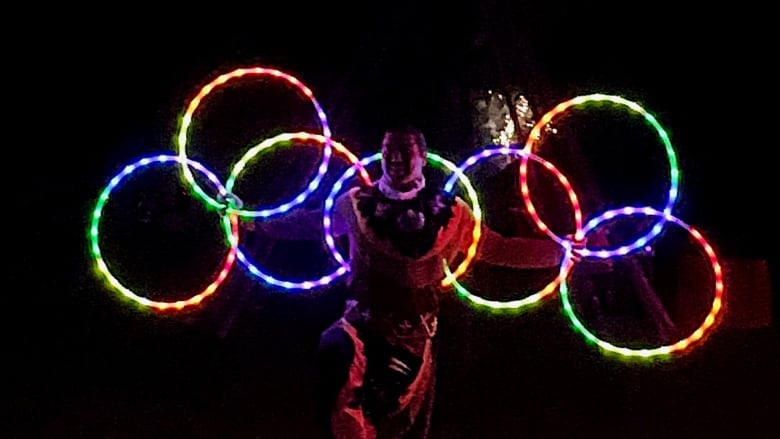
x,y
577,248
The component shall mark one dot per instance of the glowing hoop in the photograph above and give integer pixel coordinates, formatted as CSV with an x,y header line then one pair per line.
x,y
231,209
239,166
535,136
472,194
709,320
551,287
222,79
103,267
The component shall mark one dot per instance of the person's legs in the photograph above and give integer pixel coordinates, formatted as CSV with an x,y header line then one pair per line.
x,y
422,423
334,358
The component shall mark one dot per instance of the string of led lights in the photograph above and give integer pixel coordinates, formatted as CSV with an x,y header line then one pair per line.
x,y
232,210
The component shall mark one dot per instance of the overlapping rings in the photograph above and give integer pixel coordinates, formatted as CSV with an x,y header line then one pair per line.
x,y
232,209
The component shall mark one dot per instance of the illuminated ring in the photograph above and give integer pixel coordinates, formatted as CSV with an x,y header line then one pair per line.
x,y
101,264
253,269
472,194
535,135
709,321
222,79
550,289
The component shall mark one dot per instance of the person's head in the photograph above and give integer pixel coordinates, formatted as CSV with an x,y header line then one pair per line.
x,y
404,154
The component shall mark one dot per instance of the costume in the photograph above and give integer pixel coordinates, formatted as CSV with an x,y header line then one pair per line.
x,y
376,369
383,346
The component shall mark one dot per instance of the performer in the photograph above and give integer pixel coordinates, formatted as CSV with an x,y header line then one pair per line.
x,y
375,367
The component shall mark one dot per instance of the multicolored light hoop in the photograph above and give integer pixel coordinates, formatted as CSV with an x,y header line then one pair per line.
x,y
238,73
709,320
103,267
550,288
254,270
231,209
435,158
535,136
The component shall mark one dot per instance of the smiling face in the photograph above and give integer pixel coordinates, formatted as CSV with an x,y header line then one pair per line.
x,y
403,157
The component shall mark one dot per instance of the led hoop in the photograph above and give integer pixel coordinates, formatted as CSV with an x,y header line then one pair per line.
x,y
548,290
239,166
535,135
187,120
709,321
101,264
472,194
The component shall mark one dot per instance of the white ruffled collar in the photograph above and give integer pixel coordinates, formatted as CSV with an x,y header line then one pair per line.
x,y
395,194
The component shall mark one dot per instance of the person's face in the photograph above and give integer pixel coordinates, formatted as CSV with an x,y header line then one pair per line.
x,y
401,158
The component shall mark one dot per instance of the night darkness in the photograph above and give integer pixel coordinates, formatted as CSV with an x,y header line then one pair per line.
x,y
93,95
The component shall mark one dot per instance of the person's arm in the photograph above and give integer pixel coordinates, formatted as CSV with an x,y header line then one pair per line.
x,y
518,252
296,225
305,224
515,252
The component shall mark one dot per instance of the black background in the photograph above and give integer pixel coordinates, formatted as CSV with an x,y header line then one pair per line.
x,y
90,90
